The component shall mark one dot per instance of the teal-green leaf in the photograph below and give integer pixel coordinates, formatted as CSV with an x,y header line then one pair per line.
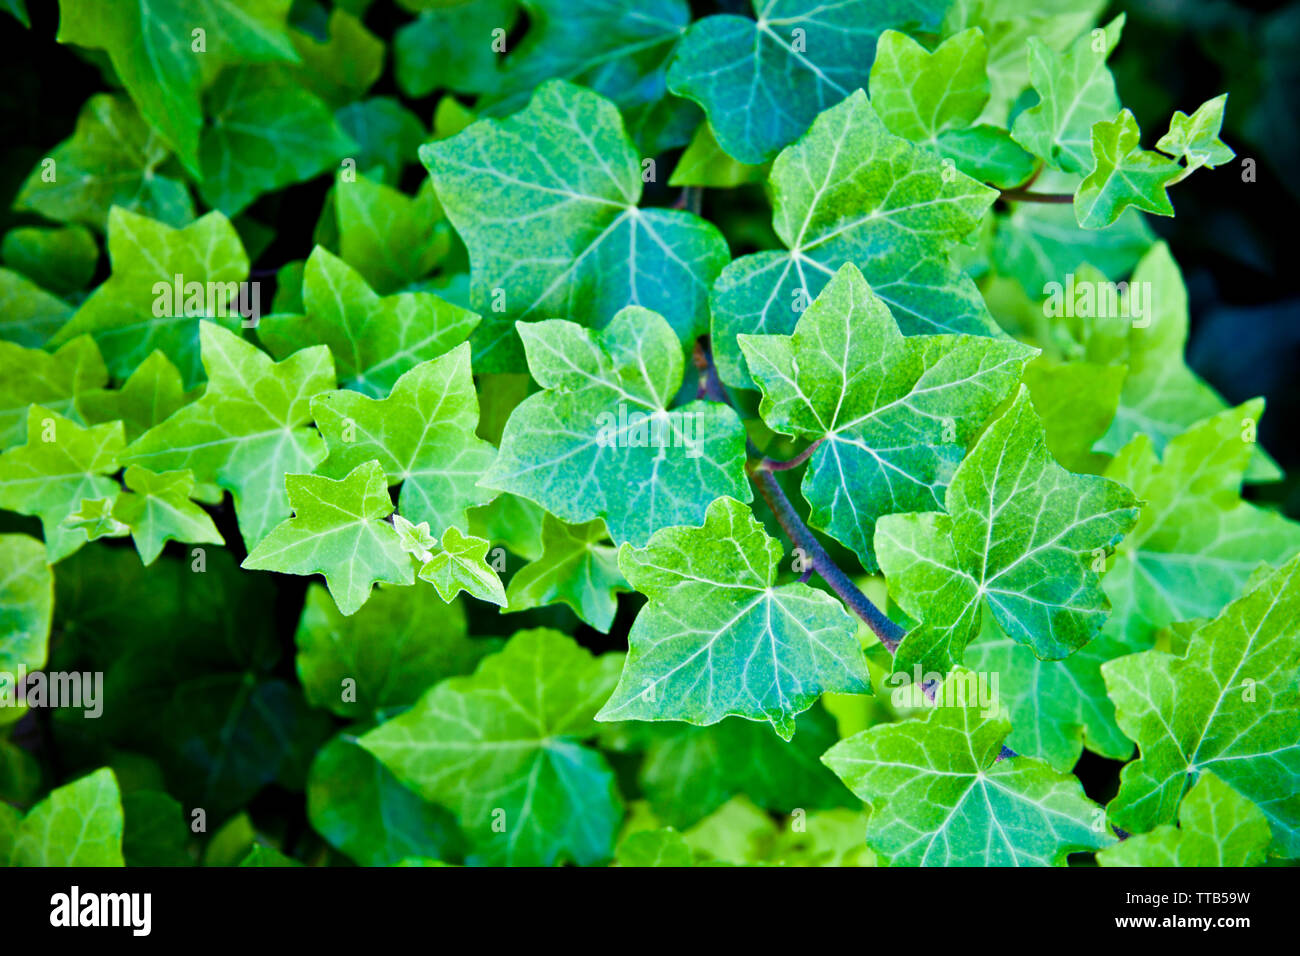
x,y
388,136
450,47
1124,175
600,442
720,638
546,201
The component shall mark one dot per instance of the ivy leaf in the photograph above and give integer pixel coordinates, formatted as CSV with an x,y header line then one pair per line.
x,y
54,380
664,847
247,431
417,540
1217,827
913,210
1237,713
60,464
720,638
338,531
599,440
577,568
505,746
565,167
431,53
1021,540
1075,90
1124,175
1197,542
1195,139
267,132
127,315
422,434
26,604
762,81
153,51
891,414
987,154
95,518
388,134
78,824
150,396
1077,401
703,163
113,158
59,259
918,94
402,642
388,237
374,339
157,509
460,564
30,314
345,65
942,795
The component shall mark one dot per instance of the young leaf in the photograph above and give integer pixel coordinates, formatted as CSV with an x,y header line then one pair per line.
x,y
504,746
719,637
95,518
337,530
248,430
1124,175
1217,827
909,211
600,442
941,793
56,381
79,824
61,464
918,94
892,415
460,564
157,509
1228,706
565,169
1195,139
1020,540
422,434
577,568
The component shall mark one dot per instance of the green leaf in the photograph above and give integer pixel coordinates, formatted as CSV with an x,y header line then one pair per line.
x,y
763,81
1075,90
56,381
30,314
1077,401
337,530
1195,139
1228,706
79,824
388,134
155,831
987,154
703,163
1124,175
157,508
1217,827
383,657
112,159
266,133
565,167
599,440
261,855
349,61
450,47
503,750
907,213
375,339
1021,540
390,238
720,638
422,434
247,431
61,260
918,94
664,847
460,564
139,308
577,568
60,464
154,52
892,415
18,10
26,605
149,397
95,517
942,793
1196,542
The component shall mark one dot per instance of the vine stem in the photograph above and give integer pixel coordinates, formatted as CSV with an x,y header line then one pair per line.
x,y
1022,195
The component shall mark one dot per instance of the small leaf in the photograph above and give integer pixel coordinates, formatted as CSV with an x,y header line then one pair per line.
x,y
157,509
1124,175
1195,139
577,568
460,565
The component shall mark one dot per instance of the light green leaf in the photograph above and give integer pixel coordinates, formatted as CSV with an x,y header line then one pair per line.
x,y
909,211
337,530
460,564
157,508
1195,139
600,442
1228,706
1021,540
150,396
79,824
95,517
1124,175
504,747
26,605
942,793
1077,401
375,339
720,638
1217,827
577,568
892,415
422,434
664,847
56,381
987,154
390,238
247,431
919,94
565,167
61,464
703,163
417,540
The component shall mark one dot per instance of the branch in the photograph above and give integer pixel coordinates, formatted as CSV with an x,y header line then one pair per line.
x,y
795,462
1022,195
